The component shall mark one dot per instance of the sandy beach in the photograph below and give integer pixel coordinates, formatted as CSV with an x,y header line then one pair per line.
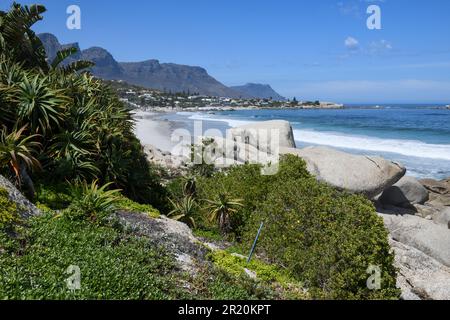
x,y
154,131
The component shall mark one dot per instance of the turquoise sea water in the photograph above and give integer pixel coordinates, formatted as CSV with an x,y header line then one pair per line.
x,y
417,136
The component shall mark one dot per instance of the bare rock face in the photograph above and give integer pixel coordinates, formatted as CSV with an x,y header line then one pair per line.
x,y
405,193
25,208
261,135
175,165
439,192
420,277
422,255
357,174
438,187
431,238
172,235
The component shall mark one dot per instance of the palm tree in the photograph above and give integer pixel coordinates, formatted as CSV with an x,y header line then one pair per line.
x,y
17,152
184,211
73,67
221,209
17,37
40,105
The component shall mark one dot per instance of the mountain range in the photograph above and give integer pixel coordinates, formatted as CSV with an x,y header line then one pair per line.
x,y
153,74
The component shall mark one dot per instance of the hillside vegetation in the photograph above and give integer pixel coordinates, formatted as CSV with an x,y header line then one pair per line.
x,y
67,142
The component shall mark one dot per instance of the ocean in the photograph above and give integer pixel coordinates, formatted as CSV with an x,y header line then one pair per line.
x,y
416,136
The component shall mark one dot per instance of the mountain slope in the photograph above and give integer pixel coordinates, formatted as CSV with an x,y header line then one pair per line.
x,y
156,75
255,90
151,73
174,77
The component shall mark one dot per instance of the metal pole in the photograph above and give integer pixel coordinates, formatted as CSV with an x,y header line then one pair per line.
x,y
254,243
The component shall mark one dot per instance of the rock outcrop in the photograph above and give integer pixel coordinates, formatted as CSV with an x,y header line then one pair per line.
x,y
25,208
419,276
174,236
267,136
425,235
224,153
422,249
405,193
359,174
164,158
439,192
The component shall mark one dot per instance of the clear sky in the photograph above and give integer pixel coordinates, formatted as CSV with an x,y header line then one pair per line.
x,y
311,49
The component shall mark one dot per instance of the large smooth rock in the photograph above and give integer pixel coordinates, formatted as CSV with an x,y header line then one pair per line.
x,y
225,152
266,136
405,193
359,174
25,208
427,236
420,277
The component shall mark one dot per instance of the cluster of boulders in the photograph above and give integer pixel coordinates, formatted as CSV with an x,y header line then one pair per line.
x,y
416,213
175,165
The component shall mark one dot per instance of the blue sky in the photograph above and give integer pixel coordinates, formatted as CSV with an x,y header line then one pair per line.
x,y
305,48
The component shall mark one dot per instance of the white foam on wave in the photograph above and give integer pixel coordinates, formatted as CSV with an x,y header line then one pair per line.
x,y
408,148
231,122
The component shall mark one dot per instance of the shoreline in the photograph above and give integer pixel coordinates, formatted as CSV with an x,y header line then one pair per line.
x,y
156,130
151,130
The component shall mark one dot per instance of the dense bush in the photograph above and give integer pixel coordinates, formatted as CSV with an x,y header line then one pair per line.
x,y
325,238
243,182
55,118
92,202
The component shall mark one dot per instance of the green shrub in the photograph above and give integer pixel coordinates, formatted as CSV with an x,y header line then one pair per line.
x,y
211,235
114,265
93,202
184,210
326,239
8,211
269,277
77,123
240,182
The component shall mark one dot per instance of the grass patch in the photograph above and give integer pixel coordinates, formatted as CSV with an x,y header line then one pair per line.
x,y
126,204
266,274
208,235
54,196
113,264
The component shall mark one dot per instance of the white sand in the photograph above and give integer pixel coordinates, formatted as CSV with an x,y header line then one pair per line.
x,y
153,131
